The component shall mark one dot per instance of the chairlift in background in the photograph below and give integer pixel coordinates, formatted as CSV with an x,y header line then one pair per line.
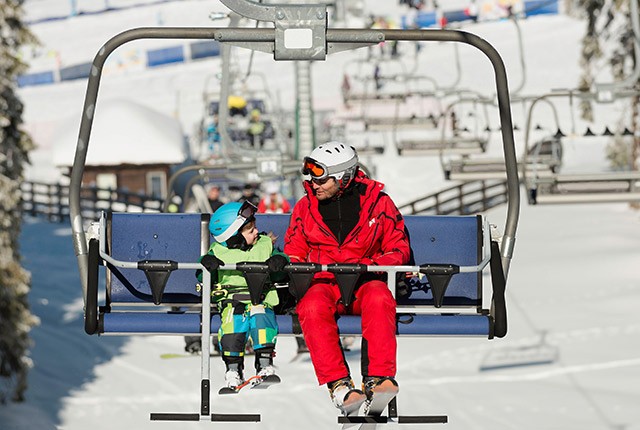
x,y
368,83
455,136
245,99
600,186
451,252
363,122
543,158
266,168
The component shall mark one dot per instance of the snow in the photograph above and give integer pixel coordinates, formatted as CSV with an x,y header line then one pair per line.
x,y
573,279
160,136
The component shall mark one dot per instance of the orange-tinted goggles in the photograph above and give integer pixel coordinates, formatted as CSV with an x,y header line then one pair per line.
x,y
313,168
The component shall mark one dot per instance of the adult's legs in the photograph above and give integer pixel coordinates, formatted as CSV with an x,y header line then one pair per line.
x,y
377,307
317,313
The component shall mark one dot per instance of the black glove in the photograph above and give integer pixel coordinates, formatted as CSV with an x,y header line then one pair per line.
x,y
276,263
211,262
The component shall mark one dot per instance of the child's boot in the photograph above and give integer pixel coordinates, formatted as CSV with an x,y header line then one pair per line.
x,y
264,365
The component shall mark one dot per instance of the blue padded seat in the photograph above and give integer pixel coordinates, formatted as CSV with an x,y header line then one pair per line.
x,y
447,240
434,239
189,324
154,236
185,237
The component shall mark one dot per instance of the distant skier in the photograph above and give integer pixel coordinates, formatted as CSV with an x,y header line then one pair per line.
x,y
233,227
345,217
273,201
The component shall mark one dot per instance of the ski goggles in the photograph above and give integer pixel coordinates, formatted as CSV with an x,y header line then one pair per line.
x,y
318,170
247,210
314,168
245,214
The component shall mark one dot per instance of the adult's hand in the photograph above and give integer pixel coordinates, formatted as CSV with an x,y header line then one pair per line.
x,y
276,263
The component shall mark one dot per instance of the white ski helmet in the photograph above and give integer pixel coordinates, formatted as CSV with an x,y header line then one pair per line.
x,y
334,159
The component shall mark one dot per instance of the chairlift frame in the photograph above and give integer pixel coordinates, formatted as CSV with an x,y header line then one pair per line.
x,y
286,17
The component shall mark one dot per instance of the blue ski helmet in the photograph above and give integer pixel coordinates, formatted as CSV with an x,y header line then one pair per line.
x,y
229,219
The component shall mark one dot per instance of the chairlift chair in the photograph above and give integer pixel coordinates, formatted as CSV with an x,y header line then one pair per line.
x,y
544,159
371,87
145,289
583,187
453,139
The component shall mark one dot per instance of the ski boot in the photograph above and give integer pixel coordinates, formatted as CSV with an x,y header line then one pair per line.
x,y
192,344
345,396
379,390
265,369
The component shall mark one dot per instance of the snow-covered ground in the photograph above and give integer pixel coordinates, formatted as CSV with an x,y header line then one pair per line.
x,y
573,283
574,279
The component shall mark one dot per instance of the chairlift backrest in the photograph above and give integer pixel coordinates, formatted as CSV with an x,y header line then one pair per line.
x,y
185,237
137,237
447,240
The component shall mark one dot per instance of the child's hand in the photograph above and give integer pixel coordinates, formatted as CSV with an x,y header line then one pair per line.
x,y
211,262
273,237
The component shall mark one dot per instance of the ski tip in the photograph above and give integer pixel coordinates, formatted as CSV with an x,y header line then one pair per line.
x,y
227,390
177,355
271,379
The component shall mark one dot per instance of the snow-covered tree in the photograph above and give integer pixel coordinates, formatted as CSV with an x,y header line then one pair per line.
x,y
16,319
609,42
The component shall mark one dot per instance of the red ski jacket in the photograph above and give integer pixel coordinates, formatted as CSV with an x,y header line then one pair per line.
x,y
378,238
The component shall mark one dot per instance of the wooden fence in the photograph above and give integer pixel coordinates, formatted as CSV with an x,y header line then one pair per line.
x,y
462,199
52,201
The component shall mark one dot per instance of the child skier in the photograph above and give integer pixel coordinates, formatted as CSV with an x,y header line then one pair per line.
x,y
233,227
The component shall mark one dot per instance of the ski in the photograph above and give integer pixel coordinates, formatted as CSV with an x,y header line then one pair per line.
x,y
257,382
170,355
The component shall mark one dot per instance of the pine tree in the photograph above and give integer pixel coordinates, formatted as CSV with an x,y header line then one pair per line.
x,y
16,319
609,23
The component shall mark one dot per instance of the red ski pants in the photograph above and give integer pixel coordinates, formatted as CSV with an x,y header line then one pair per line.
x,y
317,312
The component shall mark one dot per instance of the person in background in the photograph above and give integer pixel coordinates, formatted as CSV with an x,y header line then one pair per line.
x,y
273,201
236,239
213,136
234,193
345,217
237,106
249,195
213,195
175,205
256,128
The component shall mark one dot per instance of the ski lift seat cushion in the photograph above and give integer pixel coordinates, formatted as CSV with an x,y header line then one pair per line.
x,y
437,239
153,236
183,237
